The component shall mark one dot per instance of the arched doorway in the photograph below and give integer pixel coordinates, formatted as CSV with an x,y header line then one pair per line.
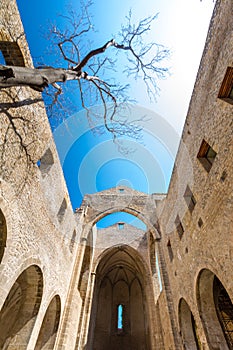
x,y
216,311
119,318
188,327
48,331
18,314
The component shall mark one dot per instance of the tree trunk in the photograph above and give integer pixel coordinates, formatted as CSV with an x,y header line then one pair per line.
x,y
37,79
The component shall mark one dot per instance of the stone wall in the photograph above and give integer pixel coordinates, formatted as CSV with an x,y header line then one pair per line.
x,y
53,262
38,258
201,236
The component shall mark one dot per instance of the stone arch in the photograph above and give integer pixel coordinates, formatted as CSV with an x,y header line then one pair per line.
x,y
138,204
121,279
153,229
3,234
188,327
48,332
216,310
19,311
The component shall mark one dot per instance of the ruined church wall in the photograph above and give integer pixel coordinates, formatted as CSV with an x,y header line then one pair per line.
x,y
41,228
206,242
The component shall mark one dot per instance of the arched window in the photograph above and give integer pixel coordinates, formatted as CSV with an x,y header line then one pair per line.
x,y
216,311
224,310
120,310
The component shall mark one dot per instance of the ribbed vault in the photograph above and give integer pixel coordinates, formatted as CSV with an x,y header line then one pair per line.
x,y
120,280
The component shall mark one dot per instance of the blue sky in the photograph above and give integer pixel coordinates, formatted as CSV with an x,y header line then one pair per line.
x,y
92,163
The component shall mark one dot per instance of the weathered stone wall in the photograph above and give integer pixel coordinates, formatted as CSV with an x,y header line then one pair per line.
x,y
47,278
206,242
35,203
124,199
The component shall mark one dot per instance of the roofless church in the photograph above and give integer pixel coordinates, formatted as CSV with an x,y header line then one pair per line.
x,y
66,285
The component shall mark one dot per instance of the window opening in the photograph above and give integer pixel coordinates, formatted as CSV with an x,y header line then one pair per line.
x,y
189,199
170,252
224,310
200,222
159,274
11,53
62,210
72,241
2,59
206,155
121,225
231,93
179,227
120,317
226,90
152,254
46,162
223,176
121,189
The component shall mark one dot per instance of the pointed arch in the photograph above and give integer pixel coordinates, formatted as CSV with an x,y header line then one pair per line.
x,y
20,309
216,310
188,327
48,331
124,276
142,206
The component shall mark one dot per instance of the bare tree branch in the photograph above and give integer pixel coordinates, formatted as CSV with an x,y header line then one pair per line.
x,y
145,61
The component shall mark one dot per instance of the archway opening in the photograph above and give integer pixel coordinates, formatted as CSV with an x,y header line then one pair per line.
x,y
216,311
224,310
188,327
120,216
129,231
19,311
119,317
48,331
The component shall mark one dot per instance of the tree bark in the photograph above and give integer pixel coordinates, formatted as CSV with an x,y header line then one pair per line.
x,y
37,79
